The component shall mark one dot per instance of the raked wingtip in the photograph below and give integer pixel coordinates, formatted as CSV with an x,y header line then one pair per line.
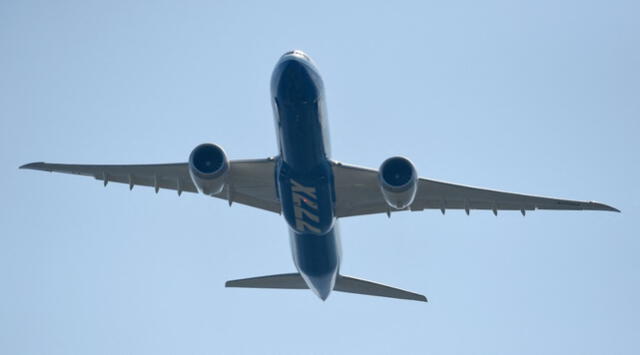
x,y
604,207
33,166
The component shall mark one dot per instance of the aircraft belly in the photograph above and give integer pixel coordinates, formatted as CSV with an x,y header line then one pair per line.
x,y
305,177
307,199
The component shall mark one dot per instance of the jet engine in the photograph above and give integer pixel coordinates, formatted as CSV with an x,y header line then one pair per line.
x,y
398,182
208,167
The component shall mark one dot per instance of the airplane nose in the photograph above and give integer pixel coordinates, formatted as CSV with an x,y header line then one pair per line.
x,y
294,69
295,79
297,53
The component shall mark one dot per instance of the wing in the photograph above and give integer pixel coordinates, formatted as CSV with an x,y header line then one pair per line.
x,y
250,182
358,193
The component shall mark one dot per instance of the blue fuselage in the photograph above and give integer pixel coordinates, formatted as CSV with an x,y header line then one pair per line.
x,y
304,174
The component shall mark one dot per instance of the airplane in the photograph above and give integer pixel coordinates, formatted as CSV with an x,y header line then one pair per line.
x,y
312,190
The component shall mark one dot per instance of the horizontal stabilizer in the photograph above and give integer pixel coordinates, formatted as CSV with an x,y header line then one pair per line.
x,y
343,284
288,281
364,287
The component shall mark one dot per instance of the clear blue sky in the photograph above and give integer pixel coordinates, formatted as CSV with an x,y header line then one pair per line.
x,y
538,97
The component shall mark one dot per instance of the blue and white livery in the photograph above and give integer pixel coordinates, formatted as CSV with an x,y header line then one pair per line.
x,y
310,189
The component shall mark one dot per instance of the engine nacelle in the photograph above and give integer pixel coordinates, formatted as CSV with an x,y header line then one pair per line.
x,y
398,182
208,167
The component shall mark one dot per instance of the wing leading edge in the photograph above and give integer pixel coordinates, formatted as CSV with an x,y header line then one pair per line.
x,y
358,193
250,182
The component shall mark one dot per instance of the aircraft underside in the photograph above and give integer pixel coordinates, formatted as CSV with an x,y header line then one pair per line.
x,y
311,190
